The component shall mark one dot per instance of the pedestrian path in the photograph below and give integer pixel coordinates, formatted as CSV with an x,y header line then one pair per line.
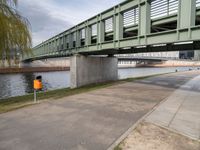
x,y
181,110
88,121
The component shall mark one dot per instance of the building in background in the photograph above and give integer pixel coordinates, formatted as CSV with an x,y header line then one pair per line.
x,y
186,55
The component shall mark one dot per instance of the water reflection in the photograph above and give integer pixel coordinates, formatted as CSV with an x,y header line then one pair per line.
x,y
28,82
11,85
4,84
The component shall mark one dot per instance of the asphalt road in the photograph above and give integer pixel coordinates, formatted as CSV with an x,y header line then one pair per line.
x,y
89,121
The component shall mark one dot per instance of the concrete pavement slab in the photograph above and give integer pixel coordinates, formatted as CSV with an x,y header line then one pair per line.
x,y
181,110
88,121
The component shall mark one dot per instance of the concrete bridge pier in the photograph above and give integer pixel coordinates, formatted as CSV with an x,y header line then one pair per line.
x,y
86,70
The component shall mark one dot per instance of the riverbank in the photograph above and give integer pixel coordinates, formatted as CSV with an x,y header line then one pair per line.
x,y
9,104
103,114
51,69
32,69
162,64
13,103
18,84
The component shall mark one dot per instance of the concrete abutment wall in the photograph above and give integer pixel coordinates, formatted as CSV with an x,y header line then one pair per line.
x,y
89,70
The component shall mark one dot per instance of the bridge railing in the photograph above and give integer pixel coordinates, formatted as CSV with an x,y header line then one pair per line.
x,y
132,23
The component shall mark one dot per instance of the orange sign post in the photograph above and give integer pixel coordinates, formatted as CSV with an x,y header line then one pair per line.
x,y
37,85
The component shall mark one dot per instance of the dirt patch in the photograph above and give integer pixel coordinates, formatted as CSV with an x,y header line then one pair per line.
x,y
150,137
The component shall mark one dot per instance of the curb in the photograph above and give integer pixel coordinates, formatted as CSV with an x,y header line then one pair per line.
x,y
124,135
174,131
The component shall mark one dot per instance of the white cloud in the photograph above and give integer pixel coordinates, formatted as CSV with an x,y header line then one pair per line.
x,y
50,17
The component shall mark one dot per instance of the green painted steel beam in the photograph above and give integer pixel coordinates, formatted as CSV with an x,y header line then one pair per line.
x,y
139,33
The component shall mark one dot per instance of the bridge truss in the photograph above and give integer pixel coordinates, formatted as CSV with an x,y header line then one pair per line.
x,y
133,26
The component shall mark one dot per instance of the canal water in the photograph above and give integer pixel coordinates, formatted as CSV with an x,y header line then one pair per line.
x,y
21,84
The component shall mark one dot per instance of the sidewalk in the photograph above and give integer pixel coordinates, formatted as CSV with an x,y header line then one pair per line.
x,y
93,120
181,111
172,125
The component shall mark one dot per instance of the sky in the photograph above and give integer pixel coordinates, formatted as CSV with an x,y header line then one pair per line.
x,y
50,17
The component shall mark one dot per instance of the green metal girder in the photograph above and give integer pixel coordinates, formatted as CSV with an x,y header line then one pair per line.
x,y
186,30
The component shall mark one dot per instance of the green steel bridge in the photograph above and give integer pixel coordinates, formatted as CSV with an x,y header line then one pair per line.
x,y
133,26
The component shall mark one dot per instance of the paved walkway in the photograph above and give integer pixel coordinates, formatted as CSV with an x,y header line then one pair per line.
x,y
88,121
181,111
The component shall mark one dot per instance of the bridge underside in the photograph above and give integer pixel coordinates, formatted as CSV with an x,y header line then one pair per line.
x,y
129,50
145,49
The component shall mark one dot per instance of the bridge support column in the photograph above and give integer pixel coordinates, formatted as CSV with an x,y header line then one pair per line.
x,y
88,70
